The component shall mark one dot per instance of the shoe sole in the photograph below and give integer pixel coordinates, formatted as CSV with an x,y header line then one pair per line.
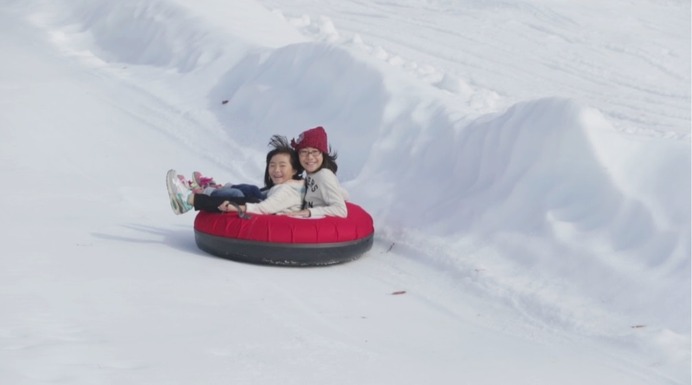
x,y
172,196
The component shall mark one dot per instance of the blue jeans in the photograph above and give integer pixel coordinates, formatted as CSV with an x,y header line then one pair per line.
x,y
227,192
238,191
250,191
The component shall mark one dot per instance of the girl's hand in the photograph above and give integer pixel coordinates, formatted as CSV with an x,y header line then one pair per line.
x,y
227,207
299,214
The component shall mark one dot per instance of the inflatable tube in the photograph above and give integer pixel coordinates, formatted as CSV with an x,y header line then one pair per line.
x,y
286,241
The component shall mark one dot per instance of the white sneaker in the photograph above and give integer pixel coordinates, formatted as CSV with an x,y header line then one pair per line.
x,y
178,193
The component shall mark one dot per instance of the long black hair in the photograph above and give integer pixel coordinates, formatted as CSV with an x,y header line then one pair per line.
x,y
281,146
329,161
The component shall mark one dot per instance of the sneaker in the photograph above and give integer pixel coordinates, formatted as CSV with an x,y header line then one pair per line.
x,y
190,184
178,193
185,182
203,181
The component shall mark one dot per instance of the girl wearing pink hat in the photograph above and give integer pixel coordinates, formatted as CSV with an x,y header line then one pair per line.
x,y
324,195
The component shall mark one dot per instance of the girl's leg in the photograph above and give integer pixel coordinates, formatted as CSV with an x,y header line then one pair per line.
x,y
227,192
207,203
211,203
249,190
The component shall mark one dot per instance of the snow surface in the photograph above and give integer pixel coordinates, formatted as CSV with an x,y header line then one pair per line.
x,y
527,165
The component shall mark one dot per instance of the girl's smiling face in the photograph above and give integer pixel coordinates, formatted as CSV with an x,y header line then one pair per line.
x,y
280,168
311,159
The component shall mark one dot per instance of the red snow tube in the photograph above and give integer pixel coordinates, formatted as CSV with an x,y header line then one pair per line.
x,y
282,240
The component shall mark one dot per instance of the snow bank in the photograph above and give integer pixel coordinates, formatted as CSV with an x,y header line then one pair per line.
x,y
532,181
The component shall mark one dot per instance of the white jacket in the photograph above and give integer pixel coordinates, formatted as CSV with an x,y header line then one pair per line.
x,y
324,195
281,198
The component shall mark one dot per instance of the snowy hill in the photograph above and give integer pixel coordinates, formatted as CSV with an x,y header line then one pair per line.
x,y
527,165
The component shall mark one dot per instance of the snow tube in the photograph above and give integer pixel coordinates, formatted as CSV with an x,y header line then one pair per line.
x,y
286,241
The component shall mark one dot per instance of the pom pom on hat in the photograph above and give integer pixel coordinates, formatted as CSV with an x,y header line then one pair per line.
x,y
314,137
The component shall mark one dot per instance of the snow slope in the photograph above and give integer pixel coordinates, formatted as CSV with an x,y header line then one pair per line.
x,y
527,165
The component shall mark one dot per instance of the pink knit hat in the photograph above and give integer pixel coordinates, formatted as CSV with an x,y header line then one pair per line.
x,y
314,137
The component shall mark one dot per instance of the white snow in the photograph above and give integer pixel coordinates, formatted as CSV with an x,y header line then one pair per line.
x,y
527,165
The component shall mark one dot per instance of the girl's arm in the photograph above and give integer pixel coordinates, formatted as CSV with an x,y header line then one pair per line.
x,y
284,198
331,193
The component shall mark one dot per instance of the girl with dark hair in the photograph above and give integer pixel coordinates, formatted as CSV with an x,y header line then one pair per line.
x,y
283,185
324,195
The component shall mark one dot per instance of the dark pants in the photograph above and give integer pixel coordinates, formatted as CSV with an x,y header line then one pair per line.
x,y
211,204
